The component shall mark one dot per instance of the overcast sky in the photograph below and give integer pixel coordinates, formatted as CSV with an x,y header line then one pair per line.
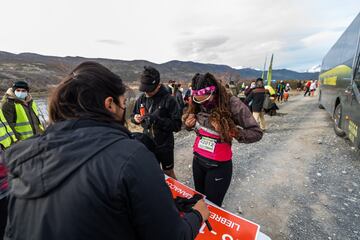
x,y
231,32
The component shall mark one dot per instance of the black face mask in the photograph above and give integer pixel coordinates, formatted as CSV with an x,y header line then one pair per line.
x,y
209,104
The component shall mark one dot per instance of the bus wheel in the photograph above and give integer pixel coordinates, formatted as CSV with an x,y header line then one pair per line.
x,y
337,120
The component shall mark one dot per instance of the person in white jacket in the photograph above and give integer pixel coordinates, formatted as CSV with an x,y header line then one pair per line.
x,y
313,87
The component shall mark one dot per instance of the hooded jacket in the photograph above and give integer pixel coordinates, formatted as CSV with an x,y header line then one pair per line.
x,y
8,108
257,97
84,179
165,109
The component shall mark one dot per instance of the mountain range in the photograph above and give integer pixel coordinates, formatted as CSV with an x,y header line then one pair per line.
x,y
43,71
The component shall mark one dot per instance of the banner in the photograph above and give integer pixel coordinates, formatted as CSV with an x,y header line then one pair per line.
x,y
225,225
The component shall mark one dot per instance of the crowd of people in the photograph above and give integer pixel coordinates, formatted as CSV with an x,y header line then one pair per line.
x,y
86,176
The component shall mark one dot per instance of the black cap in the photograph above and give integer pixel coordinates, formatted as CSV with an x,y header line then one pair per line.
x,y
150,79
20,84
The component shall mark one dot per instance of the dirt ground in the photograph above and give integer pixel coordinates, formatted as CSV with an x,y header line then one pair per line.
x,y
300,181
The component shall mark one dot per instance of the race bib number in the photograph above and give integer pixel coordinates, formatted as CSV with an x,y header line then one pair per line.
x,y
207,144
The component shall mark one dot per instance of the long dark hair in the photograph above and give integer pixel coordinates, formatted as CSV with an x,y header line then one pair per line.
x,y
221,114
83,92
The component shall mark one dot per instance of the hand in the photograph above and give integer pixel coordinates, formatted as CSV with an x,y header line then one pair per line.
x,y
145,122
137,118
190,121
202,208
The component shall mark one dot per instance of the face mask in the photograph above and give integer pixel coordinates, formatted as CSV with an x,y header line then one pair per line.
x,y
123,119
203,101
21,95
209,104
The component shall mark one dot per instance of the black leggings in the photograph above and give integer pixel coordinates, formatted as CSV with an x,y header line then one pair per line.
x,y
212,178
3,216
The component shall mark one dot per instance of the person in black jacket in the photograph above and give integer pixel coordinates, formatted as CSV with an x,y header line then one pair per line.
x,y
174,89
257,97
162,117
86,178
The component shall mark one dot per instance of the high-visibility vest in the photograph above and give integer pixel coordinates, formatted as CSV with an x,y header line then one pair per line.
x,y
23,125
7,136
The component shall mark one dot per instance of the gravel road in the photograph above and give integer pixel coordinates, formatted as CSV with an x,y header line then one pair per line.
x,y
300,181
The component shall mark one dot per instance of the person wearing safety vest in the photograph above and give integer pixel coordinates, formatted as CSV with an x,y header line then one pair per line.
x,y
21,111
7,137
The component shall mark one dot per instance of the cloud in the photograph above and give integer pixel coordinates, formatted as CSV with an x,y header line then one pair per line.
x,y
321,37
110,42
201,48
235,33
198,45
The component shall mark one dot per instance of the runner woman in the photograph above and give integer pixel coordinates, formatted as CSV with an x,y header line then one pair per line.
x,y
217,118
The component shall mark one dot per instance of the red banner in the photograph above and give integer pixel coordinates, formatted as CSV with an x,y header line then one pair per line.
x,y
225,225
180,190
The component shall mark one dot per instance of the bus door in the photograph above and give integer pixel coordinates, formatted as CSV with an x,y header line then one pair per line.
x,y
353,98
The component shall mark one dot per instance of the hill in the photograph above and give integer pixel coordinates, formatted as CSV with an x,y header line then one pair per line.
x,y
42,71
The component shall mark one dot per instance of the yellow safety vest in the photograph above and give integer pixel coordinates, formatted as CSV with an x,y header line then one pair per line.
x,y
23,125
7,136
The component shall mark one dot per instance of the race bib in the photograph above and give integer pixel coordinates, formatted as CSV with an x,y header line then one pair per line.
x,y
207,144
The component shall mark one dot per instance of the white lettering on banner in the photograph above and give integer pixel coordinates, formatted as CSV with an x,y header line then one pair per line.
x,y
179,190
225,221
202,230
226,237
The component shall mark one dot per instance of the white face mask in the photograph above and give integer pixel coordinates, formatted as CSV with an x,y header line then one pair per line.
x,y
200,102
21,95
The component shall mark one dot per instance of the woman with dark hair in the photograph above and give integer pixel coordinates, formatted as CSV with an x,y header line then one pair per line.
x,y
216,118
86,178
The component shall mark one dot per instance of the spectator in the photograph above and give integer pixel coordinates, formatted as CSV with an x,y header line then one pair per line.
x,y
86,178
280,91
307,88
299,86
313,87
257,97
162,118
21,112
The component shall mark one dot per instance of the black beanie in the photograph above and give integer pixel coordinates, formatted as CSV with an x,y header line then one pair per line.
x,y
20,84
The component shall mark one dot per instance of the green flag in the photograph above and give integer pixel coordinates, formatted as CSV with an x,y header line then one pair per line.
x,y
269,74
263,73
